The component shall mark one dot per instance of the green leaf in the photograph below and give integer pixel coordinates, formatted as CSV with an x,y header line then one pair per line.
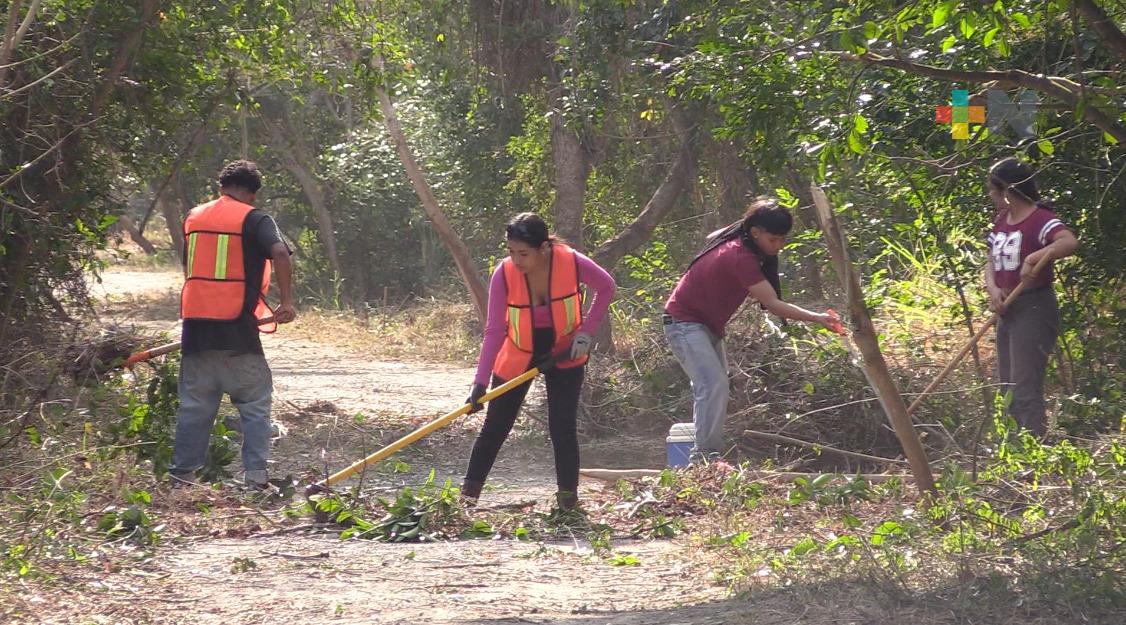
x,y
966,28
855,143
821,481
941,14
803,547
1022,19
948,43
989,35
860,124
1109,138
808,388
1046,147
871,30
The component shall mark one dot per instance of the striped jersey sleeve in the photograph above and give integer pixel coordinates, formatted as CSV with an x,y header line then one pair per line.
x,y
1050,226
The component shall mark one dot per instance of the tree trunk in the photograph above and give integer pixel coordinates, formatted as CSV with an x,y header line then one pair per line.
x,y
296,159
875,368
465,263
1107,30
174,220
126,223
125,52
195,141
638,232
572,166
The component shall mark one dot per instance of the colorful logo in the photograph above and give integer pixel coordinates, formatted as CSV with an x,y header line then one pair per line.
x,y
1001,111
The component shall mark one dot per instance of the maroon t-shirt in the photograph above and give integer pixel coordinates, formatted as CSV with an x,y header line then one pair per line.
x,y
715,286
1010,244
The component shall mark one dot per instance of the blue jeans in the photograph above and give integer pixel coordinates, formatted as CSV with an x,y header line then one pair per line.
x,y
204,378
702,356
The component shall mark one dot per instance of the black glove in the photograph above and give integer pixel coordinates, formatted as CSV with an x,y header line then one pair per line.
x,y
477,393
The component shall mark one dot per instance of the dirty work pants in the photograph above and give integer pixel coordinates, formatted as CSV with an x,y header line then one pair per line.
x,y
563,389
702,356
204,378
1026,335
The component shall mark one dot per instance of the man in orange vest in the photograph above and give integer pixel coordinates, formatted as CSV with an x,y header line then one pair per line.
x,y
229,246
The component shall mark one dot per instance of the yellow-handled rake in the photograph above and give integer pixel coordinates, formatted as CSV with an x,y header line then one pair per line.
x,y
427,429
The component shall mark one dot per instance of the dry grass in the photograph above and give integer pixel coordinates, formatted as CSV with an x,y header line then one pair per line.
x,y
431,331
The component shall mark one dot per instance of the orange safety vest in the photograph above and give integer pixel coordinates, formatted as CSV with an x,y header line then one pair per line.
x,y
214,273
566,303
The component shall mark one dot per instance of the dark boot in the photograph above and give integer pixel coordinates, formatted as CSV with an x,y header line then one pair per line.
x,y
470,492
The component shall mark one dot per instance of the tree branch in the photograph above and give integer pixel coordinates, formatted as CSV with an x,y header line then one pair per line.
x,y
1059,87
129,45
32,84
193,145
664,198
1105,27
56,146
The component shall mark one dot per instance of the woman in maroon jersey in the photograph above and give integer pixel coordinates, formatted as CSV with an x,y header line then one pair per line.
x,y
1024,232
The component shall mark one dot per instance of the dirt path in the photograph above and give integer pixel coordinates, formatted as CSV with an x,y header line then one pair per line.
x,y
267,574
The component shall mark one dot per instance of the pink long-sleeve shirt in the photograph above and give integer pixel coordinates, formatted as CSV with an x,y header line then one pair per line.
x,y
594,277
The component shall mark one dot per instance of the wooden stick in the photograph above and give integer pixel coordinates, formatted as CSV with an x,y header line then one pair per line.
x,y
875,368
778,438
977,336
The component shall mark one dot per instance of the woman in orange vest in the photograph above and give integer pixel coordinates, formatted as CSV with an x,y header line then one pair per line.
x,y
536,310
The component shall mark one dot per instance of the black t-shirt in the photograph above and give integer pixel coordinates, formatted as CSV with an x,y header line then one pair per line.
x,y
259,234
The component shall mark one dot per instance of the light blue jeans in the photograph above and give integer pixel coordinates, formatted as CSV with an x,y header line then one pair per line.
x,y
702,356
204,378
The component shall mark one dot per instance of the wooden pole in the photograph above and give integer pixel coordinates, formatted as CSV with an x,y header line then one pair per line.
x,y
976,337
864,334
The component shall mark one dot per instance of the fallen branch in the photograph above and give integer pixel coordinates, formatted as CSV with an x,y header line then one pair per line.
x,y
613,475
296,556
778,438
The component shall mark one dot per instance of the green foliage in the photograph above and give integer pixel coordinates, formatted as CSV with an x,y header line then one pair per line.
x,y
130,522
419,514
1046,522
822,490
147,428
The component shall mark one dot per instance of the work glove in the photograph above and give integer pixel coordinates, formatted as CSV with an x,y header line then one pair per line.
x,y
475,395
580,345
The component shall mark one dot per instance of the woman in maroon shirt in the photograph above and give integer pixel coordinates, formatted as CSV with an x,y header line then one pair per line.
x,y
739,261
1024,232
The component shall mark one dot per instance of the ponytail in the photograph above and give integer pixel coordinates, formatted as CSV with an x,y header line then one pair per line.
x,y
766,214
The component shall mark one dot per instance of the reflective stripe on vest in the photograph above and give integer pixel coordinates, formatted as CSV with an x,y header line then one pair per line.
x,y
566,313
214,270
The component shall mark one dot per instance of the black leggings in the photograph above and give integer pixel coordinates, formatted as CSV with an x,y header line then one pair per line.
x,y
563,388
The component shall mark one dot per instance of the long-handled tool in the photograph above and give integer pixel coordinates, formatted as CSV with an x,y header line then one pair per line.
x,y
427,429
169,347
977,335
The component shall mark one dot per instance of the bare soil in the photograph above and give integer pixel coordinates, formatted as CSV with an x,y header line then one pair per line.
x,y
234,562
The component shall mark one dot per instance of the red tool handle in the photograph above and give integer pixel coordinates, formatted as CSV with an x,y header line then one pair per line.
x,y
169,347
